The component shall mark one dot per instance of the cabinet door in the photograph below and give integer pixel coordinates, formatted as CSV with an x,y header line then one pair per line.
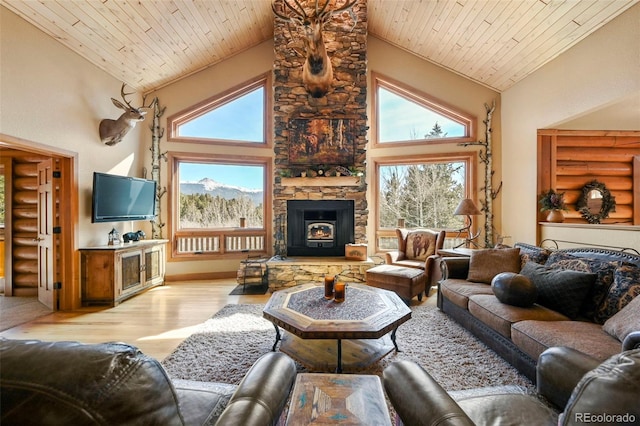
x,y
154,263
129,271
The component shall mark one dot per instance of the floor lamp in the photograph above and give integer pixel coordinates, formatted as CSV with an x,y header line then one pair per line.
x,y
467,208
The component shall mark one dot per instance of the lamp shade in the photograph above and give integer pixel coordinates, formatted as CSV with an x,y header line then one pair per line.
x,y
466,207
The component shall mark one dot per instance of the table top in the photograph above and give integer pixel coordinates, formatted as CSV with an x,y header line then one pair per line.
x,y
456,252
366,313
329,399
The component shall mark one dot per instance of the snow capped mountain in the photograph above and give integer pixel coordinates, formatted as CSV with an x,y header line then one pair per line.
x,y
213,188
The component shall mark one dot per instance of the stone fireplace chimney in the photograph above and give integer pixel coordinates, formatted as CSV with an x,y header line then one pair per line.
x,y
346,100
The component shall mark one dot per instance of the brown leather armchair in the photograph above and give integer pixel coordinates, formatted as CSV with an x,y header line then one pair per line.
x,y
418,248
576,384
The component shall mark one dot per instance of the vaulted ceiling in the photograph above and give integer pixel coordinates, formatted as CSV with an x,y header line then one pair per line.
x,y
151,43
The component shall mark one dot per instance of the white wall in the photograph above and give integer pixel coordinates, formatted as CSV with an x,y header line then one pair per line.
x,y
593,85
52,96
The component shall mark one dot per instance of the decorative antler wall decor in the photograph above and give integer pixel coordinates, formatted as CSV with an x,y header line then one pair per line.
x,y
317,71
112,131
486,156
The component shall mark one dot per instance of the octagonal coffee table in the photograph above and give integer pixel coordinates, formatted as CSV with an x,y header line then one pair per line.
x,y
312,324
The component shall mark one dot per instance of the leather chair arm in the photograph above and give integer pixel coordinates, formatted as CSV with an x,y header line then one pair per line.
x,y
454,267
418,398
392,257
262,393
632,341
558,372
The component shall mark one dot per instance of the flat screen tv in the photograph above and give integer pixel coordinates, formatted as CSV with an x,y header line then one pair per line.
x,y
121,198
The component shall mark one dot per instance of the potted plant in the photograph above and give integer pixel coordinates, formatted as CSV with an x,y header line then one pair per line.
x,y
554,203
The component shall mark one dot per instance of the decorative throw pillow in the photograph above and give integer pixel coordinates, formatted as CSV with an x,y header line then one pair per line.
x,y
625,321
487,263
420,245
514,289
529,253
561,290
625,287
604,271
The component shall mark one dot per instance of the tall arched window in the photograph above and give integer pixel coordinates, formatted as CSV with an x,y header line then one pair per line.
x,y
221,202
407,116
237,116
421,190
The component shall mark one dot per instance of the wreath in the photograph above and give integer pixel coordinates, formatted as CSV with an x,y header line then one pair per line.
x,y
608,202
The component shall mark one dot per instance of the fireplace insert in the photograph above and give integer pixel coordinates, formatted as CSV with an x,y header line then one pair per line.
x,y
319,227
319,234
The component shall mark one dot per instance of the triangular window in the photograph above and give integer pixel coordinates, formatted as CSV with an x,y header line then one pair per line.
x,y
406,116
237,116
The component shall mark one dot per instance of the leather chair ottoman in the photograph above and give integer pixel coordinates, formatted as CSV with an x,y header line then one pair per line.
x,y
405,282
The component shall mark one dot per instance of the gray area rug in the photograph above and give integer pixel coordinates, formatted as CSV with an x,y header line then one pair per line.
x,y
19,310
225,346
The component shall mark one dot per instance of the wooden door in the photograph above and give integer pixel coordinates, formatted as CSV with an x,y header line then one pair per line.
x,y
45,234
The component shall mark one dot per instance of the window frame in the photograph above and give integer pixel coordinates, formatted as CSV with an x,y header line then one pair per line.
x,y
223,235
427,101
470,158
218,100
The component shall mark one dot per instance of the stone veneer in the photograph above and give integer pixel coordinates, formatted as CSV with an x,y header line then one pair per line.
x,y
347,99
289,272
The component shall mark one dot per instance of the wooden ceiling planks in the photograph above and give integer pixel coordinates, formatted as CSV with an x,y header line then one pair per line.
x,y
151,43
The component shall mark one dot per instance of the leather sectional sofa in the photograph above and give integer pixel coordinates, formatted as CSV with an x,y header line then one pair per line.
x,y
70,383
599,318
575,388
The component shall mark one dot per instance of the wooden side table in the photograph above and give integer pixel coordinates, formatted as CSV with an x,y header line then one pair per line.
x,y
328,399
456,252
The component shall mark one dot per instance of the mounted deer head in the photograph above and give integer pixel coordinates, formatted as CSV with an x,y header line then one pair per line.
x,y
112,131
317,72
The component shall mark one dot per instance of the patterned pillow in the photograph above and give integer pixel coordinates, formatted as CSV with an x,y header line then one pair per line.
x,y
487,263
604,271
625,321
625,287
563,291
530,253
420,245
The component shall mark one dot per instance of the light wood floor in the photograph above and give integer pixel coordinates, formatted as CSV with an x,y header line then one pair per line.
x,y
155,321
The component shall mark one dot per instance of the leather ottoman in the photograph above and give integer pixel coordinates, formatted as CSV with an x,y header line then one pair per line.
x,y
405,282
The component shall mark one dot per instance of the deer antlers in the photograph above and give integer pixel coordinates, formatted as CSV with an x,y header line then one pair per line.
x,y
317,72
112,131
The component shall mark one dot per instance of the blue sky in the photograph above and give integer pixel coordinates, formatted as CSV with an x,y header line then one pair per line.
x,y
250,177
402,120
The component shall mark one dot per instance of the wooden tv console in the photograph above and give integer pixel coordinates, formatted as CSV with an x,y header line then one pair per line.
x,y
112,274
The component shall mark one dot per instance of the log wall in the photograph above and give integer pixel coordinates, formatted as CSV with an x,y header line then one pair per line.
x,y
23,223
569,159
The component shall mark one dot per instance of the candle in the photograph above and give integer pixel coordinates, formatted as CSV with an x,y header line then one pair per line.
x,y
339,292
328,287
